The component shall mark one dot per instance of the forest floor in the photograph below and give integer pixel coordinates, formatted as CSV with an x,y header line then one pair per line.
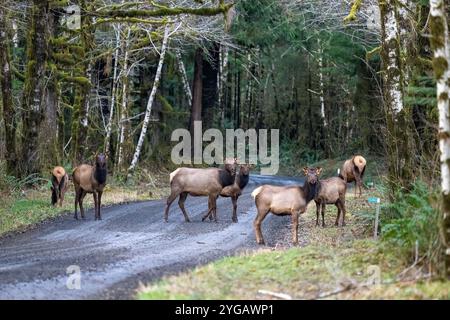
x,y
329,263
24,209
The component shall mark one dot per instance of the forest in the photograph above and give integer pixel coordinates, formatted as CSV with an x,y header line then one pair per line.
x,y
337,78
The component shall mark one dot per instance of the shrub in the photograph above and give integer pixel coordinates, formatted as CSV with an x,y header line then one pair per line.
x,y
412,220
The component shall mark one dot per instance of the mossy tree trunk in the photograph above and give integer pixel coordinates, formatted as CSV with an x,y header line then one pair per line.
x,y
441,65
34,87
399,139
6,87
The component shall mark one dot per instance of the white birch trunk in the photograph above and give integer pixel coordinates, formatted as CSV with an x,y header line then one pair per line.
x,y
322,99
441,53
223,74
184,79
150,101
441,60
393,71
123,110
113,93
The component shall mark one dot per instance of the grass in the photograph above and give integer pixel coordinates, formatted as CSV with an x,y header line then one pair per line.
x,y
27,207
335,263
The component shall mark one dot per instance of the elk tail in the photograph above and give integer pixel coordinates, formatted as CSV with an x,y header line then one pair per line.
x,y
173,174
256,192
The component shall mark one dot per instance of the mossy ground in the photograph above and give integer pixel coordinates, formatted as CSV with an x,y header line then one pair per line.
x,y
331,263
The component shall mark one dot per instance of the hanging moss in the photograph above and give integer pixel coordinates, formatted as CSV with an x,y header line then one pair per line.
x,y
79,80
64,58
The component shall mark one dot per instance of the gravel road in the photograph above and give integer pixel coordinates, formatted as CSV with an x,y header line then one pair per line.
x,y
131,245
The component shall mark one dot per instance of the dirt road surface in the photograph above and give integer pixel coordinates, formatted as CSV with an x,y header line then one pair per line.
x,y
131,245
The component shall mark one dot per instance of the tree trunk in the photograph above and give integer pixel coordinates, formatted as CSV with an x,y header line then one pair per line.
x,y
6,87
184,79
399,140
113,94
34,87
197,89
223,76
441,64
123,127
150,101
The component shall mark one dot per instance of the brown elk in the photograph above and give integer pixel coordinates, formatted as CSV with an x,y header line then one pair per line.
x,y
90,179
353,170
235,190
199,182
285,200
60,183
331,191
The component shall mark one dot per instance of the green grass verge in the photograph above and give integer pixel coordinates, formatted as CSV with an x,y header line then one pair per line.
x,y
336,263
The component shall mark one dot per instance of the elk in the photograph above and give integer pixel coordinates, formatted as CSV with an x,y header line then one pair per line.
x,y
90,179
285,200
235,190
331,191
353,170
199,182
60,183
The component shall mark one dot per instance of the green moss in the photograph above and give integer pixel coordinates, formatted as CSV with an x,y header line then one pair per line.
x,y
353,11
64,58
166,106
166,11
437,27
440,65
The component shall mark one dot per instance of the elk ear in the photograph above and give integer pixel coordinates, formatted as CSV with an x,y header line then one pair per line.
x,y
305,171
318,170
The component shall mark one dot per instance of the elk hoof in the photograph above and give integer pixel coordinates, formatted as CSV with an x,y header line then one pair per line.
x,y
295,243
323,225
261,242
187,220
75,217
235,220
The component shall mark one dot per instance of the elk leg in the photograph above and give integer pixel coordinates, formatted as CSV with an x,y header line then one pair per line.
x,y
317,213
181,201
234,201
338,213
294,216
323,214
99,204
262,213
173,196
95,195
80,202
214,206
61,197
360,186
77,196
343,211
209,213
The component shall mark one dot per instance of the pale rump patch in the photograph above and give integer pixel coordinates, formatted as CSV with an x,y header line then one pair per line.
x,y
172,174
360,162
59,173
256,192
